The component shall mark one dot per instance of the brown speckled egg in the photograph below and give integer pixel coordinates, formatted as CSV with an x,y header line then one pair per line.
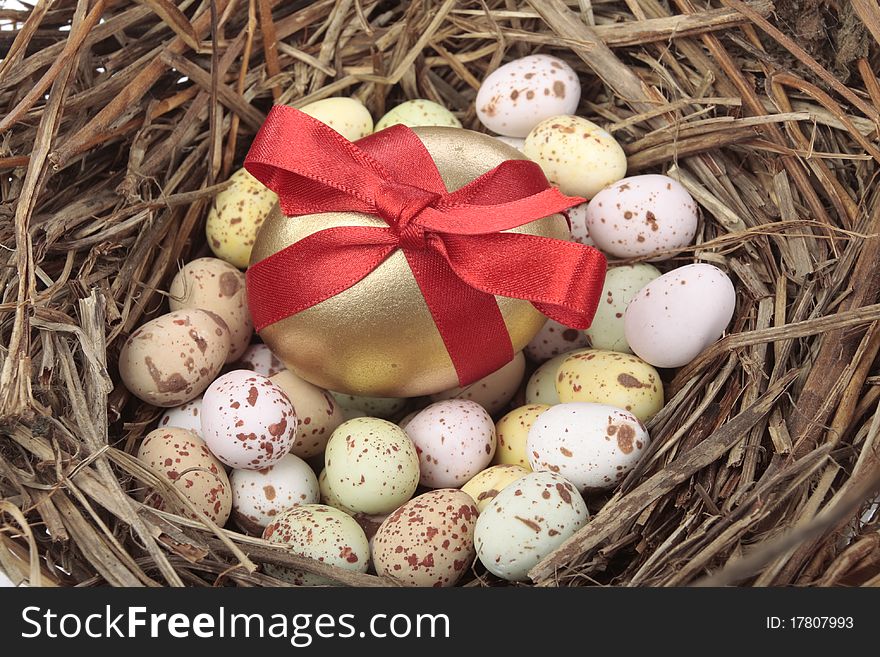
x,y
494,391
316,410
172,359
181,456
260,359
247,421
321,533
429,541
215,285
259,496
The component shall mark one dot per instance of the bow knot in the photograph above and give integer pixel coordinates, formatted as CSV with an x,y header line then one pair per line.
x,y
399,203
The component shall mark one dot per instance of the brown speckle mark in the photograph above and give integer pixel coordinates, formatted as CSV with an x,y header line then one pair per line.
x,y
625,436
229,284
531,524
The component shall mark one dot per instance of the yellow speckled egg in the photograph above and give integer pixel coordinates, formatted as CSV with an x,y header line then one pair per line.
x,y
487,484
612,378
494,391
215,285
541,388
317,411
512,431
576,154
347,116
418,112
237,213
328,497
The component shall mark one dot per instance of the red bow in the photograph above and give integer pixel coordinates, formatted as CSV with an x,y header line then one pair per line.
x,y
451,240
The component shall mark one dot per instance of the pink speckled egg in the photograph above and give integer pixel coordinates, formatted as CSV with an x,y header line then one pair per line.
x,y
181,456
429,541
247,421
577,219
259,496
260,359
455,439
494,390
648,215
554,339
517,96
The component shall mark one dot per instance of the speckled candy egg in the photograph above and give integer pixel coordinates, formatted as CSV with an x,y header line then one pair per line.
x,y
516,142
608,377
260,359
181,456
384,407
577,219
347,116
185,416
487,484
316,410
237,213
541,387
321,533
215,285
576,154
554,339
648,215
594,446
418,112
259,496
455,439
172,359
512,431
517,96
328,497
371,465
247,421
526,522
429,541
675,317
621,285
492,392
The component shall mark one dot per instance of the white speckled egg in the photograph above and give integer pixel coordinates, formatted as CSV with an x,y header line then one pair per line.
x,y
371,465
181,456
429,541
170,360
608,377
321,533
316,410
576,155
418,112
493,391
238,211
360,405
347,116
455,439
516,142
554,339
594,446
580,232
512,431
541,387
247,421
526,522
215,285
260,359
185,416
621,285
259,496
649,215
675,317
517,96
487,484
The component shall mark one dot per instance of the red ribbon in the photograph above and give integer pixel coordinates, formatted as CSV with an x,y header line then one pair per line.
x,y
451,240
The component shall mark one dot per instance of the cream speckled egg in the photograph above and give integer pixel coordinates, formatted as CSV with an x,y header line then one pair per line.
x,y
328,497
455,439
260,359
347,116
541,387
526,522
418,112
487,484
429,541
316,411
621,285
371,465
247,421
649,215
580,232
321,533
517,96
185,416
608,377
594,446
172,359
554,339
215,285
512,431
181,456
576,154
237,213
493,391
675,317
259,496
384,407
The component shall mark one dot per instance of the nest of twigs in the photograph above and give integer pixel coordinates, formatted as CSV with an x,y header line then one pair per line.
x,y
121,120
